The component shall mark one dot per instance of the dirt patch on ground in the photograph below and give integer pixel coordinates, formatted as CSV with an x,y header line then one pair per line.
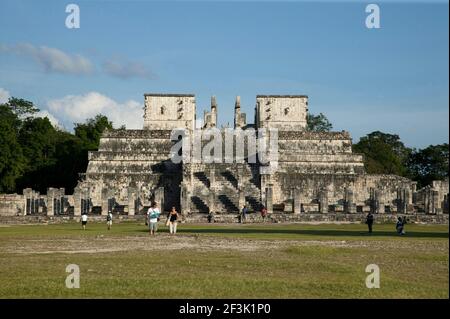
x,y
103,244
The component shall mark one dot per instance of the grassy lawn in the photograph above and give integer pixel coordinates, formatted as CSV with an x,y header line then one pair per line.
x,y
224,261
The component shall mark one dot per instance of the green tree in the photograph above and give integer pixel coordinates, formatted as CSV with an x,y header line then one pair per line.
x,y
429,164
12,161
37,138
35,154
318,123
22,107
90,132
383,153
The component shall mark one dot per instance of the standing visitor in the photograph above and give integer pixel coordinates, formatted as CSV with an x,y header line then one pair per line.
x,y
84,219
400,226
264,213
369,221
109,218
244,214
173,216
153,215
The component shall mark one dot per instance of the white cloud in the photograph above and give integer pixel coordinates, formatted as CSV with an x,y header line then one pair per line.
x,y
78,108
52,59
127,69
51,118
4,95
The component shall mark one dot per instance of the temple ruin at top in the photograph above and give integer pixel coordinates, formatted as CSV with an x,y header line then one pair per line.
x,y
317,172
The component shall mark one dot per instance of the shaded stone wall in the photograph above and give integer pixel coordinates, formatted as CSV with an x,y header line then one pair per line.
x,y
12,205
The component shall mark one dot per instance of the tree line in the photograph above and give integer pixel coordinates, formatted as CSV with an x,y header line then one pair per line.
x,y
34,153
385,153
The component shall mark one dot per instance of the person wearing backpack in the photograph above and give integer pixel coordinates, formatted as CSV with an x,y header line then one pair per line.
x,y
153,216
400,226
109,219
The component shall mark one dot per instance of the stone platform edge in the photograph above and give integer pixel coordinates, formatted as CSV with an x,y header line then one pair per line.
x,y
233,218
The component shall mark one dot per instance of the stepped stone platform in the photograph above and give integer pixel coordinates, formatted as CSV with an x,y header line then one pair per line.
x,y
308,173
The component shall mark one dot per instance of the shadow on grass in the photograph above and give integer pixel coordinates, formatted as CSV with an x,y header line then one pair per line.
x,y
310,232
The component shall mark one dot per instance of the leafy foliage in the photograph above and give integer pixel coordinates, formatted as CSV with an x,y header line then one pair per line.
x,y
384,153
429,164
12,160
318,123
33,153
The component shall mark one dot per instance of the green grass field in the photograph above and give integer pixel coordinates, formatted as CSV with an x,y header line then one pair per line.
x,y
224,261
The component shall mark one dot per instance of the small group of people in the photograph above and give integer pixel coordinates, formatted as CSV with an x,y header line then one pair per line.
x,y
244,212
399,226
153,216
152,219
109,218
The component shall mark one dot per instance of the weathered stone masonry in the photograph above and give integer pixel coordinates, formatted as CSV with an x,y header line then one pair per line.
x,y
317,173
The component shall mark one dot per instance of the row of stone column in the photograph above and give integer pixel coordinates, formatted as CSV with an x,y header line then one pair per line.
x,y
377,204
134,199
56,201
83,204
431,202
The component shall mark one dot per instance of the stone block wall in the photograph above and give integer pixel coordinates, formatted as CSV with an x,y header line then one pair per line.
x,y
12,205
169,111
284,112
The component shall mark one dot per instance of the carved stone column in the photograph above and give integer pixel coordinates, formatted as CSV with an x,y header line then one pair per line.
x,y
77,202
131,201
50,201
269,199
323,201
297,203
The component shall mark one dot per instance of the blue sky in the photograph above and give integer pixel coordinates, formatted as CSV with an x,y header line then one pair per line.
x,y
393,79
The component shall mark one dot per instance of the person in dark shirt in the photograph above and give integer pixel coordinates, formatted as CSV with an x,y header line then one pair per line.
x,y
173,217
400,226
369,221
244,214
264,213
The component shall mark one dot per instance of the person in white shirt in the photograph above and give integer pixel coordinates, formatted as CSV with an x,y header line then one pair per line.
x,y
109,219
153,216
84,219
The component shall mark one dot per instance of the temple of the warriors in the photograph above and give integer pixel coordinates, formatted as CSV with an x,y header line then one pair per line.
x,y
316,172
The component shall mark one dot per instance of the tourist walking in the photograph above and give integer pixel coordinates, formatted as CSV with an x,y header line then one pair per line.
x,y
244,214
172,218
153,216
84,219
369,221
400,226
264,214
109,219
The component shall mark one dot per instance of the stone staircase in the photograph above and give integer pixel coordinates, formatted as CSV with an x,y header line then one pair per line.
x,y
226,190
228,204
200,204
201,176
